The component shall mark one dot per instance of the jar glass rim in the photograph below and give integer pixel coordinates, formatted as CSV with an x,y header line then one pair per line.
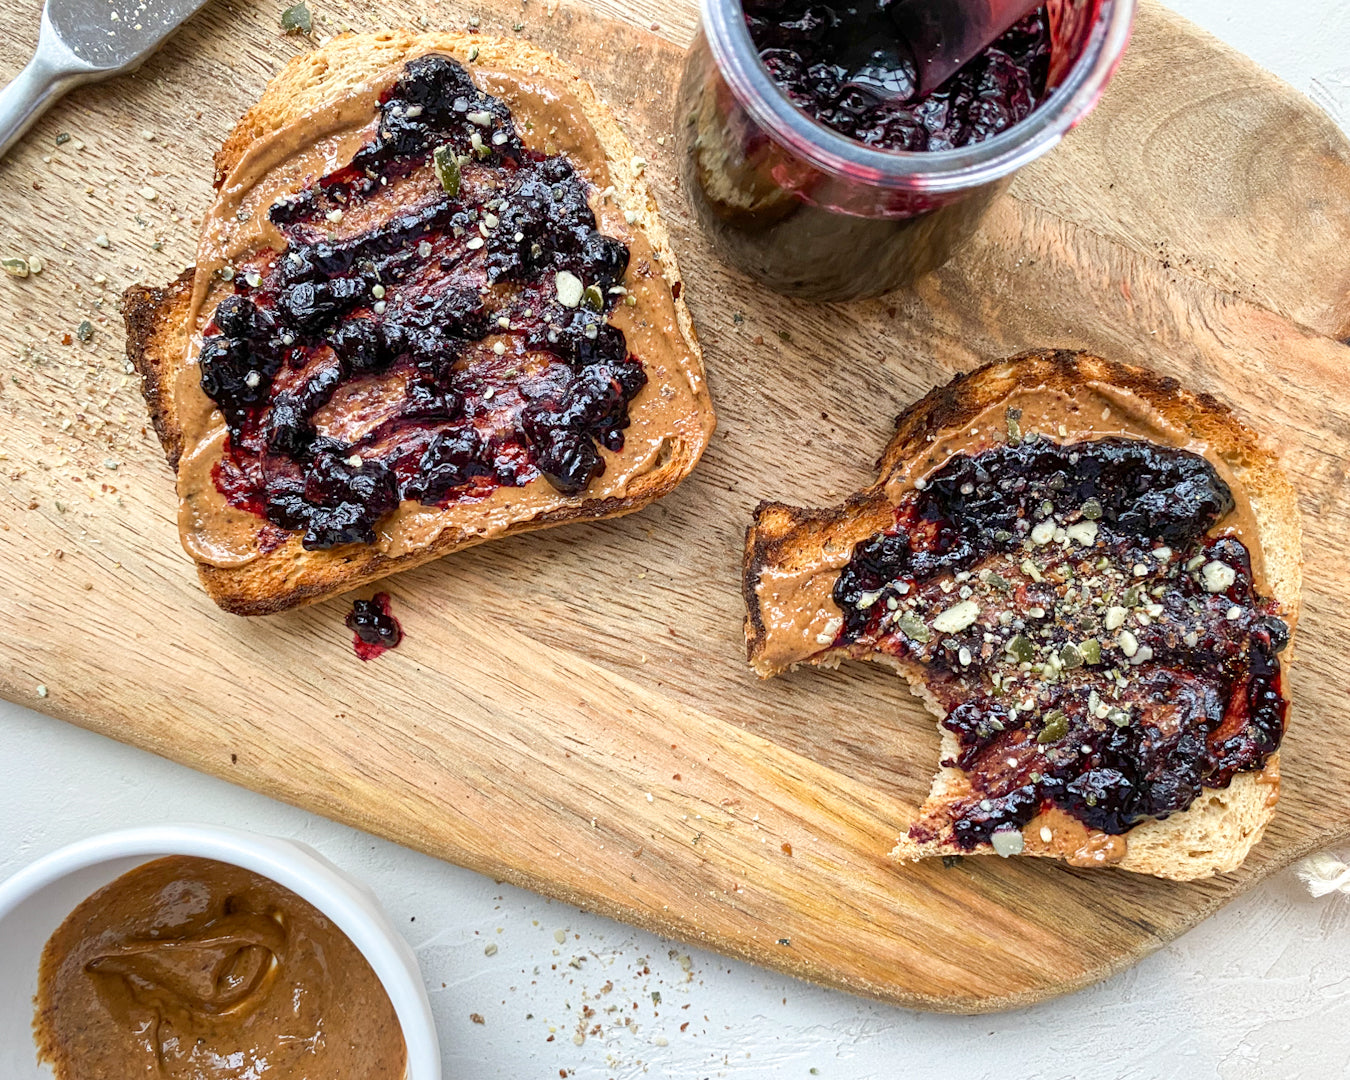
x,y
924,171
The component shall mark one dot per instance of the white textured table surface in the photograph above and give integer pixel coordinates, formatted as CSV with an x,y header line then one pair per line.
x,y
1262,989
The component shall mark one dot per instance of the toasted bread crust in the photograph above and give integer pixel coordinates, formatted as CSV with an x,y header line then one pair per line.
x,y
151,314
1217,831
157,333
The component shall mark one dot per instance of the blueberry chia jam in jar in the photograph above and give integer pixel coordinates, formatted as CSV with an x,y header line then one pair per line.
x,y
817,165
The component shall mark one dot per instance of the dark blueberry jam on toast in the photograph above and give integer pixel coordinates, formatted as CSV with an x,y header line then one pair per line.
x,y
434,328
374,628
846,67
1094,647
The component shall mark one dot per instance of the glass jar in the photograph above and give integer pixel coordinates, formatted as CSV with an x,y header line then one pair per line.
x,y
812,213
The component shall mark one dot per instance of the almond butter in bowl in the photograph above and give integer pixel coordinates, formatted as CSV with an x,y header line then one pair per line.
x,y
193,968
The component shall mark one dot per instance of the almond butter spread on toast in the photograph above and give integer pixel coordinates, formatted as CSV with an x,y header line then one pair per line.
x,y
415,301
1077,585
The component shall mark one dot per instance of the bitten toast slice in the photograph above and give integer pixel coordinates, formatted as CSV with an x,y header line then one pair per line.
x,y
450,313
1091,576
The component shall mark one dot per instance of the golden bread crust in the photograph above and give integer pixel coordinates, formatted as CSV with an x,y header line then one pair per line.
x,y
156,318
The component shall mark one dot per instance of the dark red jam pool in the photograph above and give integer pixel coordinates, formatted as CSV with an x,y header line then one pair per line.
x,y
434,328
374,629
844,66
1094,648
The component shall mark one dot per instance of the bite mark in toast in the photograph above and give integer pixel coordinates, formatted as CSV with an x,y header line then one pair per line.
x,y
824,585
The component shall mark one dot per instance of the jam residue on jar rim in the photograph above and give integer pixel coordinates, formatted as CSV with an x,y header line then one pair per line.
x,y
1093,647
810,156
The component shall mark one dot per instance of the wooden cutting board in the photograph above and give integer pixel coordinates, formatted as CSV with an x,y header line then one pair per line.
x,y
571,711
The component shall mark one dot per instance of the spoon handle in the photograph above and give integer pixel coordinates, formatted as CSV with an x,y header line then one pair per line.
x,y
50,73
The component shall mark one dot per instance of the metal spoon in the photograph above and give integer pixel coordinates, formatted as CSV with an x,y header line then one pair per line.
x,y
81,41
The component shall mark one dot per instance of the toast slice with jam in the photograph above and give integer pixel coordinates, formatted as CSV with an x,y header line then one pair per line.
x,y
433,304
1091,576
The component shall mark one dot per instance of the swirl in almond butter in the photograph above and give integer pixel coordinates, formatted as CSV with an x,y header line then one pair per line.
x,y
192,969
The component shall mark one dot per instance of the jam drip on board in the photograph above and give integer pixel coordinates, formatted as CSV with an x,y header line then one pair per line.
x,y
434,328
373,626
844,67
1094,649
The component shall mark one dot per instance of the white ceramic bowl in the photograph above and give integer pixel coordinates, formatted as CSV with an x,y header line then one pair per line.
x,y
36,900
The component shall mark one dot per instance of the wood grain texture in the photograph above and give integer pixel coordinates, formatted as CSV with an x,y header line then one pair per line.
x,y
571,711
1215,168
